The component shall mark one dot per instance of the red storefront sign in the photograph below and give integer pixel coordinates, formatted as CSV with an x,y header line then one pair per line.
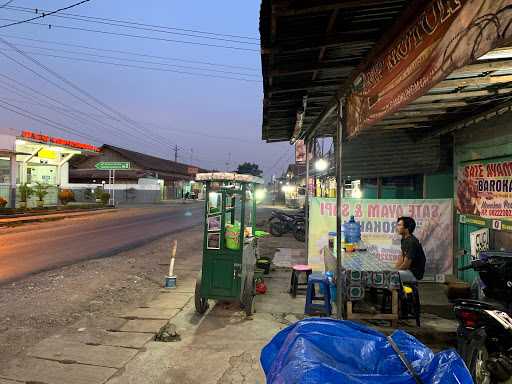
x,y
58,141
445,36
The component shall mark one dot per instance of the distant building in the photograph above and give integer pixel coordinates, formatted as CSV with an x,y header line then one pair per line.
x,y
175,179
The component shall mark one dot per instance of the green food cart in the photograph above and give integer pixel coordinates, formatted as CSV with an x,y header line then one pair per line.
x,y
229,247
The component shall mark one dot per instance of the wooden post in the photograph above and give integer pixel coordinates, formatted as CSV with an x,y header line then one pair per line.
x,y
306,203
394,307
339,219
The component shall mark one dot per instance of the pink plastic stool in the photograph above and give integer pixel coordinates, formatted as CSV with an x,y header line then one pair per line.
x,y
294,282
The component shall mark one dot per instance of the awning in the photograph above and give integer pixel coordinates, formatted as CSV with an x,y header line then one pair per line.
x,y
425,69
308,51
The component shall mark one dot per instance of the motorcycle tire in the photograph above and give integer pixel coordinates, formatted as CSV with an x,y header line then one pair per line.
x,y
276,228
477,365
299,232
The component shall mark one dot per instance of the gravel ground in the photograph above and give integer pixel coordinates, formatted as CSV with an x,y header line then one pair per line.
x,y
40,305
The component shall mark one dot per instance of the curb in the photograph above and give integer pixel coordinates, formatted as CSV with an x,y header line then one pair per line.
x,y
11,222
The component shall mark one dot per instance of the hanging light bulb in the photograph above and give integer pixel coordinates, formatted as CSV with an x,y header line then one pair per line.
x,y
321,165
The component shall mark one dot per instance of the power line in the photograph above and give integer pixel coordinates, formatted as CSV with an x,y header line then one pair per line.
x,y
74,86
72,115
129,53
149,25
123,24
42,119
44,14
135,60
141,36
6,4
141,67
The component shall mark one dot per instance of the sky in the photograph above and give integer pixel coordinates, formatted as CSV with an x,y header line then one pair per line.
x,y
213,115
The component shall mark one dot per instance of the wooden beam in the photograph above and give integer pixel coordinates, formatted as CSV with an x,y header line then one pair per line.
x,y
443,105
338,5
461,95
357,39
298,69
505,107
330,28
402,121
418,113
485,80
309,88
492,66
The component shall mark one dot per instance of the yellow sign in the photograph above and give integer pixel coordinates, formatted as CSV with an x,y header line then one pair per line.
x,y
47,154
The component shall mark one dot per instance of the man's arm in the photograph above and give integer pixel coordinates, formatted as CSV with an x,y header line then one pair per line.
x,y
406,264
408,257
400,261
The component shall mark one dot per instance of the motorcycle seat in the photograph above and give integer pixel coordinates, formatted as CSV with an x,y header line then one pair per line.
x,y
481,304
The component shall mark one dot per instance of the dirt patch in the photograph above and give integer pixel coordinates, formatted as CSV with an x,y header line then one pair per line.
x,y
41,305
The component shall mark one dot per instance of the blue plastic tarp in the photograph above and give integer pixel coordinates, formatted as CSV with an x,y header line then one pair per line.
x,y
322,350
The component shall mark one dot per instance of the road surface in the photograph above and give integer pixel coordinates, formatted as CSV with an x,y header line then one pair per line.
x,y
33,248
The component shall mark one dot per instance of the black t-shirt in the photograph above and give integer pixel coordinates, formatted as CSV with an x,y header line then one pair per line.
x,y
412,249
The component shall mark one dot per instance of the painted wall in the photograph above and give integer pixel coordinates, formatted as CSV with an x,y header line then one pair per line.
x,y
485,140
439,185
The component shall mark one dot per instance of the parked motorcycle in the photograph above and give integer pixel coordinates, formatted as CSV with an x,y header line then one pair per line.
x,y
283,222
484,335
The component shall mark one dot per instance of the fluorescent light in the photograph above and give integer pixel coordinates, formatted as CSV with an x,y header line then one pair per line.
x,y
321,165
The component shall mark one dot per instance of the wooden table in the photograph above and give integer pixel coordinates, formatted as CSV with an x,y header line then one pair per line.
x,y
364,270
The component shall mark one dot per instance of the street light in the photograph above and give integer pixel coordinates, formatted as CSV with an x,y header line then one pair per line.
x,y
321,165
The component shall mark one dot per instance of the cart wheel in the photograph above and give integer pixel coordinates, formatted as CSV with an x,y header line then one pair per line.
x,y
248,299
200,302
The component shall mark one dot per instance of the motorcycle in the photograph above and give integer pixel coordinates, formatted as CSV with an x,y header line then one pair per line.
x,y
283,222
484,334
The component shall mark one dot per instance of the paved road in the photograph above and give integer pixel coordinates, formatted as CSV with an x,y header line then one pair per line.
x,y
36,247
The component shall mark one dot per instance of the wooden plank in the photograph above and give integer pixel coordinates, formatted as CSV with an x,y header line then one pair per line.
x,y
443,105
461,95
298,69
286,11
418,113
486,80
501,65
394,307
412,119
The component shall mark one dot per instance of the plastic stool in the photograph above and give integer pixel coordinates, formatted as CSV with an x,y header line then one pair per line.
x,y
294,282
411,301
313,308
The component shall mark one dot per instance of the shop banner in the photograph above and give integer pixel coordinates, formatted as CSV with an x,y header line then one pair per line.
x,y
434,220
485,189
445,36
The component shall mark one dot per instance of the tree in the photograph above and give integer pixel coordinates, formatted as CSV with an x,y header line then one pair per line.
x,y
249,169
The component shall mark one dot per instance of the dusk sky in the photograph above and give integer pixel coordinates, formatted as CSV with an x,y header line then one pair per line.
x,y
207,117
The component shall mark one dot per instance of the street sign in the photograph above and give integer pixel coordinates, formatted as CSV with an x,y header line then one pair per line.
x,y
112,165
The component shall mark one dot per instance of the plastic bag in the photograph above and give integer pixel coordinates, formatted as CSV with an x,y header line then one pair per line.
x,y
323,350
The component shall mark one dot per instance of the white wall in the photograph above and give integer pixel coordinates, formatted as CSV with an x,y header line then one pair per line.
x,y
139,187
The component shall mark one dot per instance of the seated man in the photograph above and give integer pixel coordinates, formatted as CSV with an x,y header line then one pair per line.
x,y
411,264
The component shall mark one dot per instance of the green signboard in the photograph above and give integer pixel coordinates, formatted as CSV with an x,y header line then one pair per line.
x,y
112,165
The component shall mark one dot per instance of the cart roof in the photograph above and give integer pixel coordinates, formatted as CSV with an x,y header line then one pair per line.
x,y
229,176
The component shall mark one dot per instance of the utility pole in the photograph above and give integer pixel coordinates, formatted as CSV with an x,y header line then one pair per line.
x,y
228,163
176,153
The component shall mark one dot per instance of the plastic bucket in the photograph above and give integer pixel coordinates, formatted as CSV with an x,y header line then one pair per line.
x,y
263,264
233,237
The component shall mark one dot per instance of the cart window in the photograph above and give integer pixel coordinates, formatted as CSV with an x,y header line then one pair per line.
x,y
214,202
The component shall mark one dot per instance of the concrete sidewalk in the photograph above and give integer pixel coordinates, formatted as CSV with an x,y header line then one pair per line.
x,y
221,347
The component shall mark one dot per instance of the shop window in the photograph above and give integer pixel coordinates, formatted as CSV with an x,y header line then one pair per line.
x,y
5,171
